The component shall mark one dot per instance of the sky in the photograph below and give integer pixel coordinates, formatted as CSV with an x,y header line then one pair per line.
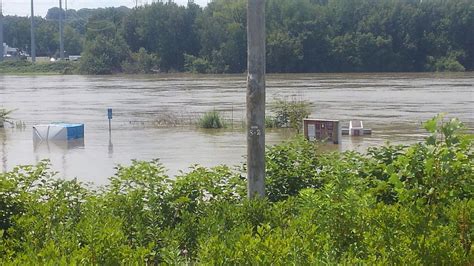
x,y
22,7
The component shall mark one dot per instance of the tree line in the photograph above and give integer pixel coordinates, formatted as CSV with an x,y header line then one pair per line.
x,y
302,36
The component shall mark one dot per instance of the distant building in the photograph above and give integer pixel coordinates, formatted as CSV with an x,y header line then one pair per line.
x,y
74,58
10,53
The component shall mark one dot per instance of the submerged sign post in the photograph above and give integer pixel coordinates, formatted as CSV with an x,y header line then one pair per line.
x,y
109,115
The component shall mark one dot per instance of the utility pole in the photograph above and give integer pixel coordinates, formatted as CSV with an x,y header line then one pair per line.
x,y
256,98
1,31
61,32
33,43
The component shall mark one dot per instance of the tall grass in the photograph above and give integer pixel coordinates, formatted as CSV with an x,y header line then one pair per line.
x,y
212,119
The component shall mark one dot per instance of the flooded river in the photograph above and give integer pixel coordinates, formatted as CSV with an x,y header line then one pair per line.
x,y
393,105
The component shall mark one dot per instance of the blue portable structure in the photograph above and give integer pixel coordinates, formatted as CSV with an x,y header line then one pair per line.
x,y
58,131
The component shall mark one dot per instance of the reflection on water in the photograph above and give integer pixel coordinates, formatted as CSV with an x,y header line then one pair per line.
x,y
53,146
393,105
111,146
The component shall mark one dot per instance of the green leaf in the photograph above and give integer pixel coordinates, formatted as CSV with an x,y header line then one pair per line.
x,y
431,124
395,180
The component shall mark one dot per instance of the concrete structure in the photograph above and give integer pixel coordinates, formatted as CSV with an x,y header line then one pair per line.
x,y
322,130
356,128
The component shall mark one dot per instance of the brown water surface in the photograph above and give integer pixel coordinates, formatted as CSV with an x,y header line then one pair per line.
x,y
393,105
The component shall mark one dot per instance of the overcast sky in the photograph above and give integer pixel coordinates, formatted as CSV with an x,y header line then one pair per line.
x,y
22,7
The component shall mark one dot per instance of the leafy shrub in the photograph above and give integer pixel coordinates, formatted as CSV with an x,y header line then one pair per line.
x,y
196,64
291,167
141,62
448,63
214,64
270,122
104,55
212,119
290,113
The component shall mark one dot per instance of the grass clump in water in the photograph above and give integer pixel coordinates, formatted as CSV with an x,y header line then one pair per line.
x,y
212,119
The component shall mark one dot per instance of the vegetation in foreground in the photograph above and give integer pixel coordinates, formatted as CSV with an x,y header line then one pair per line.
x,y
393,205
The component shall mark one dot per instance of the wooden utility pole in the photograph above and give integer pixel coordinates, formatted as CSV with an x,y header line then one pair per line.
x,y
1,31
61,31
256,98
32,31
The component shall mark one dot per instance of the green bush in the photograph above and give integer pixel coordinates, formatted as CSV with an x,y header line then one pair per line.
x,y
270,122
196,65
290,113
203,65
141,62
393,205
104,55
212,119
448,63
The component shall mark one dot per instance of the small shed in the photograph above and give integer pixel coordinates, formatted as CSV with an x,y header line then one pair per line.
x,y
323,130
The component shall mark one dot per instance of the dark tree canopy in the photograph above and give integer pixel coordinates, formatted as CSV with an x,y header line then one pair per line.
x,y
302,35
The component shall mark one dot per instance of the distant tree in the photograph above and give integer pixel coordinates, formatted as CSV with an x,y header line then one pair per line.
x,y
73,41
16,32
302,35
104,47
104,55
47,38
222,34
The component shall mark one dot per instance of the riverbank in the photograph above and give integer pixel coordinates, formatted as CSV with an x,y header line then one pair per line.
x,y
26,67
69,68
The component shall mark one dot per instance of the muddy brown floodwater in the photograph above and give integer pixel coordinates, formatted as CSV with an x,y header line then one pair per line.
x,y
393,105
